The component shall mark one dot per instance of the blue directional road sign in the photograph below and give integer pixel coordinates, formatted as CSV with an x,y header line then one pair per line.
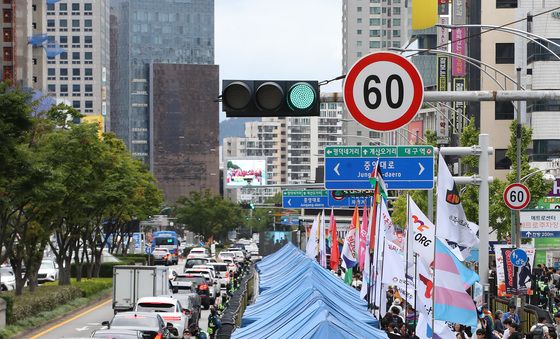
x,y
518,257
304,199
350,198
403,167
148,250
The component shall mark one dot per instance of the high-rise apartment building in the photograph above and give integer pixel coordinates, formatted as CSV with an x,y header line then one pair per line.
x,y
540,72
145,32
293,148
78,31
24,37
370,26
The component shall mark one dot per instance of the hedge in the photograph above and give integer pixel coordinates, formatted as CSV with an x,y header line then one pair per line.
x,y
105,271
132,259
49,296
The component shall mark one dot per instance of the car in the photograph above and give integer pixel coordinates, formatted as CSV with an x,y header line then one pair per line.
x,y
225,255
198,252
242,248
48,271
7,279
190,262
169,309
150,324
222,271
117,334
162,256
201,288
213,282
239,255
232,265
182,283
191,303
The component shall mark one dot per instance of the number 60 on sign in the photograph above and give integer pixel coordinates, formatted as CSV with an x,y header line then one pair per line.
x,y
517,196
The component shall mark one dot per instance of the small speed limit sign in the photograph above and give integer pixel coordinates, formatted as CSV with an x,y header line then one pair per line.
x,y
383,91
517,196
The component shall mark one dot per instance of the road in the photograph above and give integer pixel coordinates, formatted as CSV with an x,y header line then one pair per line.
x,y
82,324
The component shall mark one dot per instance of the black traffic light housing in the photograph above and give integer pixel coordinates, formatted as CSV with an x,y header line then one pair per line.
x,y
270,98
247,205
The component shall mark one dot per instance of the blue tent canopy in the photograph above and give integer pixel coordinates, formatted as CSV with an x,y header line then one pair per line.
x,y
300,299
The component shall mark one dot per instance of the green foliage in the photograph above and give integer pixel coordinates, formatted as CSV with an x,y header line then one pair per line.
x,y
105,271
209,215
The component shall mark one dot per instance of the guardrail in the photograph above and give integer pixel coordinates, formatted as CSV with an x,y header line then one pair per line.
x,y
529,313
231,317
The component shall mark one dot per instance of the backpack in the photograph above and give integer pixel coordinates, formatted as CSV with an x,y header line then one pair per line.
x,y
538,332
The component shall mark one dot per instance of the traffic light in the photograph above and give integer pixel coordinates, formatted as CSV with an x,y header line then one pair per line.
x,y
247,205
270,98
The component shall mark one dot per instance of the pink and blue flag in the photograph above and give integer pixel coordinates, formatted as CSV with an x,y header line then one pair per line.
x,y
452,278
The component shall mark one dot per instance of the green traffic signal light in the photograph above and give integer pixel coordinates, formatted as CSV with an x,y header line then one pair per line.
x,y
301,96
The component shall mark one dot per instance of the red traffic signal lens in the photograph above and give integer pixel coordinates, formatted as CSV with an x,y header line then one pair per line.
x,y
237,95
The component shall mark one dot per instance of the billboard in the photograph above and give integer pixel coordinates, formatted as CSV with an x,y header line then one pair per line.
x,y
242,172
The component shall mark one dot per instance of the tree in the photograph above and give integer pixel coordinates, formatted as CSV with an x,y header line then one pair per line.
x,y
208,214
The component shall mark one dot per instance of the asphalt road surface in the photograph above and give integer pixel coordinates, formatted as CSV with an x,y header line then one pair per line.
x,y
84,322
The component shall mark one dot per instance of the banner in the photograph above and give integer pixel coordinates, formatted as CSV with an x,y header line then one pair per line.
x,y
458,46
459,12
459,107
512,280
394,271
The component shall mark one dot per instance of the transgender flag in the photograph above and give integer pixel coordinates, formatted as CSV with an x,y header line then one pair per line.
x,y
452,278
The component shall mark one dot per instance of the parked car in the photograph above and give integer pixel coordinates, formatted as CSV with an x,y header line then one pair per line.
x,y
48,271
162,256
7,279
169,309
190,302
118,334
149,324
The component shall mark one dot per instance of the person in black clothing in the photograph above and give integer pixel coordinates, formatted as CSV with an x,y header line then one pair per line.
x,y
515,331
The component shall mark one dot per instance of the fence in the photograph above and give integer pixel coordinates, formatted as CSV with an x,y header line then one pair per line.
x,y
231,317
529,314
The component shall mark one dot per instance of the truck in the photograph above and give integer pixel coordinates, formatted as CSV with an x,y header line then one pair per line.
x,y
131,283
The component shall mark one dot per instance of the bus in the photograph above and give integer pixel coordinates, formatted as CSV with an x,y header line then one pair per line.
x,y
169,240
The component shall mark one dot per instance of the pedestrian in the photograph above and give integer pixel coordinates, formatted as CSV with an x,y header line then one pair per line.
x,y
397,304
511,314
539,330
515,331
557,322
507,324
214,323
498,326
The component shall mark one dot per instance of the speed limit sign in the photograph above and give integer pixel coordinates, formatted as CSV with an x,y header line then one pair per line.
x,y
517,196
383,91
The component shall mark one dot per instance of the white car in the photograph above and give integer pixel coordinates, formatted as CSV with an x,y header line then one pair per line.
x,y
199,252
213,282
222,271
7,279
232,266
48,271
168,308
162,256
239,256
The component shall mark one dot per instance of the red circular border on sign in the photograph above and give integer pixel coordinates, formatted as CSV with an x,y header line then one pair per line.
x,y
416,83
509,187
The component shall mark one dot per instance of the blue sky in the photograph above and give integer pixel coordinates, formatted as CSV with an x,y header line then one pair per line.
x,y
279,39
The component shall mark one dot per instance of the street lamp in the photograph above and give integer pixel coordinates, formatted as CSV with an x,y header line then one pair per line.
x,y
547,176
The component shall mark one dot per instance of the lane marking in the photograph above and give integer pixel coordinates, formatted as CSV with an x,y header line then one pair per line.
x,y
71,319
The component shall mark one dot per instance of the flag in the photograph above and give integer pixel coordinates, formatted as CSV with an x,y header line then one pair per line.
x,y
335,256
387,226
348,256
348,276
366,273
311,248
380,193
424,328
363,239
422,231
394,271
424,13
451,279
355,225
322,245
452,224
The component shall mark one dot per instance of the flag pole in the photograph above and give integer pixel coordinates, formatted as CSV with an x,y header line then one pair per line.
x,y
371,265
377,250
381,278
434,280
415,287
406,254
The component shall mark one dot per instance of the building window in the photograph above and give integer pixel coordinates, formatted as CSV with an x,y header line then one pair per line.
x,y
8,36
505,53
50,23
544,150
375,10
75,55
51,88
359,43
88,56
374,22
359,32
63,88
536,50
64,72
374,135
501,161
75,23
7,14
504,110
63,39
396,33
506,3
75,7
88,23
51,71
359,9
88,71
88,39
89,104
374,33
87,7
359,20
396,22
76,88
374,44
63,23
76,39
76,103
61,7
88,88
75,72
50,7
396,11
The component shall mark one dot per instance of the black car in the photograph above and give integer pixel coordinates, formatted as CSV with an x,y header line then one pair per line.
x,y
150,324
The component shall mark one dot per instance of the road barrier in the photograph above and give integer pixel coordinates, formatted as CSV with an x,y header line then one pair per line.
x,y
529,314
